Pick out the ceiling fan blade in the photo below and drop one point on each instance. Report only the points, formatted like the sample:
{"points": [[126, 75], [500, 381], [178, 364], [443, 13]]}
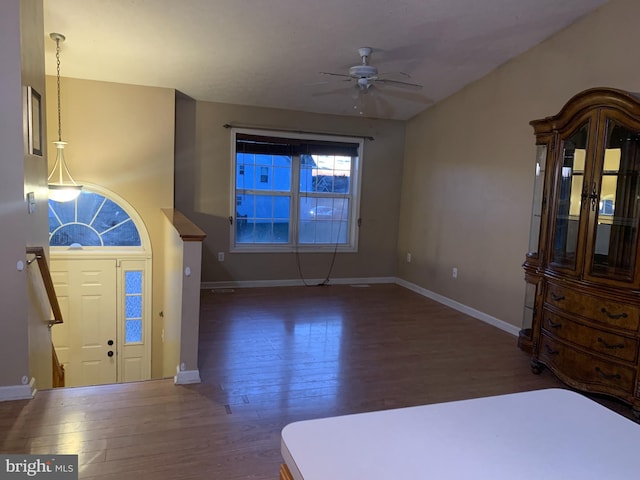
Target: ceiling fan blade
{"points": [[398, 83], [333, 92], [371, 104], [406, 95], [336, 75], [313, 84], [384, 75]]}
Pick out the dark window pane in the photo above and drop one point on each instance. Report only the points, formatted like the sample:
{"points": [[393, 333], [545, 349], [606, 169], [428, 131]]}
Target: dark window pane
{"points": [[323, 220], [88, 205], [264, 206], [123, 235], [281, 208], [66, 211], [282, 179], [109, 216], [75, 233], [91, 220], [53, 220], [262, 231]]}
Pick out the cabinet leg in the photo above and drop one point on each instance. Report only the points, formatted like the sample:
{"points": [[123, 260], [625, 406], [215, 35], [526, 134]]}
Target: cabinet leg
{"points": [[536, 367], [636, 412]]}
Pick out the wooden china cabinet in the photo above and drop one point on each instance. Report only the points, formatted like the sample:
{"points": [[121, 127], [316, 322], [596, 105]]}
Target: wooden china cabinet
{"points": [[582, 305]]}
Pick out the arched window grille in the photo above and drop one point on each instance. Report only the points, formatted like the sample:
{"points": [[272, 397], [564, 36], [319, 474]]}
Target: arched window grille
{"points": [[91, 220]]}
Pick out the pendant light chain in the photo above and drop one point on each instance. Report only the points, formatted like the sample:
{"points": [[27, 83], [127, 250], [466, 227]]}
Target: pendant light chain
{"points": [[62, 186], [59, 109]]}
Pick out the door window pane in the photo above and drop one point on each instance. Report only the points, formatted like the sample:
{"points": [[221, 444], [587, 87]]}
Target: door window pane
{"points": [[538, 188], [571, 187], [133, 306], [614, 251], [133, 331]]}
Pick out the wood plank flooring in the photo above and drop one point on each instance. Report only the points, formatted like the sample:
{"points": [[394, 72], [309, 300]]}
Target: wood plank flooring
{"points": [[268, 357]]}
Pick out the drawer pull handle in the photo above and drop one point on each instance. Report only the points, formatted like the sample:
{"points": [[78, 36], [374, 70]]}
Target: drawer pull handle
{"points": [[610, 346], [608, 376], [556, 298], [613, 316], [553, 324], [551, 351]]}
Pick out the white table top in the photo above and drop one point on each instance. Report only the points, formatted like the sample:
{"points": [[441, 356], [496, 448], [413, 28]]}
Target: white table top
{"points": [[543, 434]]}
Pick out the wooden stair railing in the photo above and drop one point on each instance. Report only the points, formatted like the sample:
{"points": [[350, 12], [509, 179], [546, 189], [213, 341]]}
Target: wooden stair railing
{"points": [[43, 266]]}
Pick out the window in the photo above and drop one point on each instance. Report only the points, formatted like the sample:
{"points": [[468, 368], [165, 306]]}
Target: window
{"points": [[91, 220], [295, 191], [133, 303]]}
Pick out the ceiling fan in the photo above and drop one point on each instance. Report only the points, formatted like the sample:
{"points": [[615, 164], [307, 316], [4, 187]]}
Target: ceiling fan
{"points": [[366, 76]]}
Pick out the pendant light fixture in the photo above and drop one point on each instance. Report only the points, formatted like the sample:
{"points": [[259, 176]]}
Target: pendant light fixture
{"points": [[62, 186]]}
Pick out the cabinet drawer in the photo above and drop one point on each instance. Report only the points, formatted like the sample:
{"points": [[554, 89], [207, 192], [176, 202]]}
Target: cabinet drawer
{"points": [[606, 312], [592, 338], [577, 366]]}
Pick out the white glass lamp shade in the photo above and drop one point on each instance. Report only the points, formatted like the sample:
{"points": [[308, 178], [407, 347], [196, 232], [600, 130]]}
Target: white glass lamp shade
{"points": [[62, 186]]}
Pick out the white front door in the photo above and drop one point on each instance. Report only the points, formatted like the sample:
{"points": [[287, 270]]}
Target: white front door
{"points": [[86, 343]]}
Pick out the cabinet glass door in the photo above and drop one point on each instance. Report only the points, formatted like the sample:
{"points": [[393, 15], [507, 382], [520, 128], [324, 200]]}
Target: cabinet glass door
{"points": [[538, 191], [613, 252], [571, 180]]}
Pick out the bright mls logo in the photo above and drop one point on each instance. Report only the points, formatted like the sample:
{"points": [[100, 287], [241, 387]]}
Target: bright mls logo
{"points": [[52, 467]]}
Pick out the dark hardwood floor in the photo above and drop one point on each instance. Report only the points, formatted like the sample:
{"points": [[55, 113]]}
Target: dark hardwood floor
{"points": [[268, 357]]}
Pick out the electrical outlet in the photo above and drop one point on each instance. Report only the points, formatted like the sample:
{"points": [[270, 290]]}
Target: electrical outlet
{"points": [[409, 257], [221, 256], [454, 272]]}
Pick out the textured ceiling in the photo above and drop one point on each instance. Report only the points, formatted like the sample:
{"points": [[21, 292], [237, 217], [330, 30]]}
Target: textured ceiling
{"points": [[269, 52]]}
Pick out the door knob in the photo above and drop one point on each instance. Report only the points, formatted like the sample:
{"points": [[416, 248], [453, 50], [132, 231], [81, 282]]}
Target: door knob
{"points": [[110, 342], [110, 353]]}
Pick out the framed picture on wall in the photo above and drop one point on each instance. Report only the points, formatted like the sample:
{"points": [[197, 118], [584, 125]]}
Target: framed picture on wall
{"points": [[34, 113]]}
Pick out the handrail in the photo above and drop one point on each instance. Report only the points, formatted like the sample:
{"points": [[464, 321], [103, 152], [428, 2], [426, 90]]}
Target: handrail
{"points": [[48, 283]]}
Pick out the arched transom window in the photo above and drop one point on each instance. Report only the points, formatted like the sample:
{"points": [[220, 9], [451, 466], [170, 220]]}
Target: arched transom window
{"points": [[91, 220]]}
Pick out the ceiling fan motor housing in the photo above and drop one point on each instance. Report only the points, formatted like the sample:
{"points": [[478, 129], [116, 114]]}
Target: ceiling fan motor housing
{"points": [[363, 71]]}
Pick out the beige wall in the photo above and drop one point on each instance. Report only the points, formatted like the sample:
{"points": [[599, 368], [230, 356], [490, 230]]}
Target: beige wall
{"points": [[468, 175], [13, 293], [202, 193], [25, 348], [183, 259], [190, 312], [172, 284], [35, 180], [121, 138]]}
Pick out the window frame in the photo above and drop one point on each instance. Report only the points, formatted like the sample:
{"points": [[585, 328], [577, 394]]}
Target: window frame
{"points": [[295, 194]]}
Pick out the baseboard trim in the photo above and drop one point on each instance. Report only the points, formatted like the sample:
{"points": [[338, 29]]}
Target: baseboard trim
{"points": [[18, 392], [185, 377], [294, 282], [472, 312]]}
